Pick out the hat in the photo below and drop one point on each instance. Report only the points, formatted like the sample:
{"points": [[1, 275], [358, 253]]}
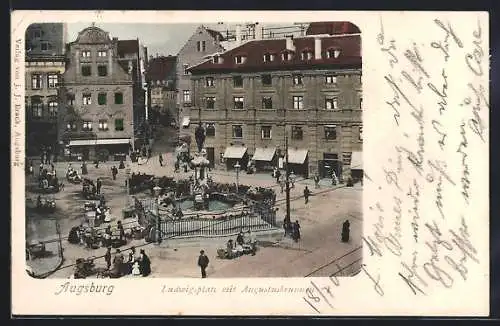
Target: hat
{"points": [[202, 252]]}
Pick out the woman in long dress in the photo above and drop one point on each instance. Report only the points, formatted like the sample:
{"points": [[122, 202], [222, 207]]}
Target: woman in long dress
{"points": [[145, 264]]}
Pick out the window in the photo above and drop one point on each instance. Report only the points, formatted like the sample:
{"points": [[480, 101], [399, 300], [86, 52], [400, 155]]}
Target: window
{"points": [[267, 103], [118, 98], [102, 99], [87, 125], [103, 125], [331, 103], [71, 126], [36, 108], [237, 131], [330, 132], [217, 59], [209, 82], [102, 53], [265, 132], [210, 100], [297, 80], [186, 95], [87, 99], [45, 46], [298, 102], [238, 103], [53, 109], [210, 129], [201, 46], [70, 99], [86, 54], [332, 53], [86, 70], [297, 133], [237, 81], [102, 70], [286, 56], [119, 124], [267, 80], [52, 80], [331, 79], [36, 81], [268, 57], [360, 134], [186, 66], [240, 59], [306, 55]]}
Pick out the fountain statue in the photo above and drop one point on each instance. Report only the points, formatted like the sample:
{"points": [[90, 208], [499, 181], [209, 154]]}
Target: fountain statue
{"points": [[200, 164]]}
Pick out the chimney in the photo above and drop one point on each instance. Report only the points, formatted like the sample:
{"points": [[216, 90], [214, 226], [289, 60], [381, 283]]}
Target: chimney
{"points": [[238, 34], [289, 43], [317, 48]]}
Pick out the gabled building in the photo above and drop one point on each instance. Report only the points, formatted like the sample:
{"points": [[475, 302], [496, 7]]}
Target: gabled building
{"points": [[161, 78], [202, 43], [45, 64], [96, 102], [308, 88]]}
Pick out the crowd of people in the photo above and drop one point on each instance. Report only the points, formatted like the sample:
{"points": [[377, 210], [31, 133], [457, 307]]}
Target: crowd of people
{"points": [[244, 244]]}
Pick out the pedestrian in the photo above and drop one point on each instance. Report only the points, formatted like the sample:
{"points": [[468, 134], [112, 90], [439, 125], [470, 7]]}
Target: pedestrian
{"points": [[121, 230], [345, 231], [278, 175], [118, 263], [334, 178], [160, 158], [40, 169], [203, 263], [114, 172], [98, 185], [296, 231], [282, 184], [144, 264], [307, 193], [107, 257], [292, 178], [316, 181]]}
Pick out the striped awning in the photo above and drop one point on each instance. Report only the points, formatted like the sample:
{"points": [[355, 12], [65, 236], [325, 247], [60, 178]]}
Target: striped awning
{"points": [[235, 152], [264, 154], [297, 156], [357, 161], [91, 142]]}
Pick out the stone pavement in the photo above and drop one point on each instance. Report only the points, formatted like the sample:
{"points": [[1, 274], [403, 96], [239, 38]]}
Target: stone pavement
{"points": [[321, 222]]}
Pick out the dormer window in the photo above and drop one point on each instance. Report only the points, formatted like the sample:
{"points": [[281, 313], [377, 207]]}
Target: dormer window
{"points": [[85, 54], [268, 57], [286, 56], [209, 82], [240, 59], [217, 59], [333, 53], [306, 55]]}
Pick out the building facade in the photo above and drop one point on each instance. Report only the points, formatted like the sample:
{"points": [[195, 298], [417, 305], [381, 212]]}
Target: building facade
{"points": [[161, 79], [307, 89], [202, 43], [96, 101], [44, 67]]}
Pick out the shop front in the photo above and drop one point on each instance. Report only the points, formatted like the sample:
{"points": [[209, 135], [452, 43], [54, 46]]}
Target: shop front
{"points": [[112, 149], [357, 166], [235, 154], [265, 158]]}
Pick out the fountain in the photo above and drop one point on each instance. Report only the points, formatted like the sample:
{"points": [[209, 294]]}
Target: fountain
{"points": [[200, 165]]}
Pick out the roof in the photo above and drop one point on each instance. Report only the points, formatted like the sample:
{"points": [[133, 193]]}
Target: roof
{"points": [[350, 46], [332, 28], [127, 47], [214, 34], [161, 68]]}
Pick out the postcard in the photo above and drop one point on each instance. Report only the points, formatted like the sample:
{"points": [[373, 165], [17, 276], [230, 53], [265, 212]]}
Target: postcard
{"points": [[250, 163]]}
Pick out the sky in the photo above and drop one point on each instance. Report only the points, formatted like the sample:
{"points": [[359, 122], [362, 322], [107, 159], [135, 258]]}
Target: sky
{"points": [[163, 39]]}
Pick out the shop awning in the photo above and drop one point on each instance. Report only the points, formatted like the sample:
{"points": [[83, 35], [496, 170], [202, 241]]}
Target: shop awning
{"points": [[186, 121], [264, 154], [91, 142], [357, 161], [235, 152], [297, 156]]}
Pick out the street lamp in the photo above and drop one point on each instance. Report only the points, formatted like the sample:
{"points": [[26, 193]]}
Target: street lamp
{"points": [[157, 191], [237, 166]]}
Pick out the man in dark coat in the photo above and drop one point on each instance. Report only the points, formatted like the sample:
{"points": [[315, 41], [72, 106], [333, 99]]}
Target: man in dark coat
{"points": [[107, 257], [296, 231], [345, 231], [114, 172], [203, 263], [144, 264], [98, 185], [307, 193]]}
